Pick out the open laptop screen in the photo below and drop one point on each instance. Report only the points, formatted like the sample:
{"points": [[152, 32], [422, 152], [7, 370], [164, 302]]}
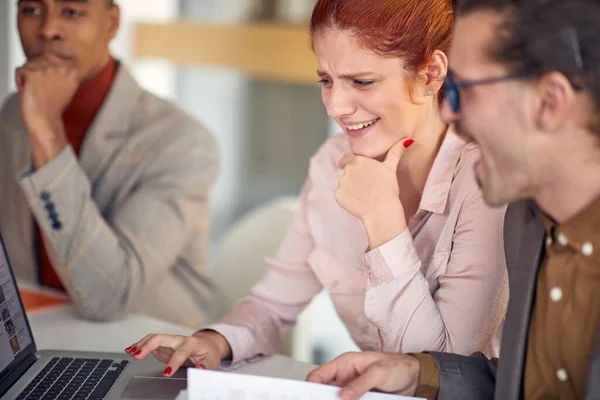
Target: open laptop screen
{"points": [[16, 339]]}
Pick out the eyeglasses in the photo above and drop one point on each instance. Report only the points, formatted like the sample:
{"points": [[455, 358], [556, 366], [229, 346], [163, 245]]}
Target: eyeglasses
{"points": [[451, 88]]}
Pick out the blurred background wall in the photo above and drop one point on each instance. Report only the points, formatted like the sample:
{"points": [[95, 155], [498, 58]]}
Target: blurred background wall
{"points": [[267, 130]]}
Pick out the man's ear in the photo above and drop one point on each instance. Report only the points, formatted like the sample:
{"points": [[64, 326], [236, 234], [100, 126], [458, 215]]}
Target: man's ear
{"points": [[430, 78], [557, 99], [114, 14]]}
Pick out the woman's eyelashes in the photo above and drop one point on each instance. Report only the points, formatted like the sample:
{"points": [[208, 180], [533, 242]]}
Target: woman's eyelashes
{"points": [[361, 83]]}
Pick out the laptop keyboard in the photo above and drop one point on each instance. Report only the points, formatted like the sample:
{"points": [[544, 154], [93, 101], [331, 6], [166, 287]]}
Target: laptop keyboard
{"points": [[74, 378]]}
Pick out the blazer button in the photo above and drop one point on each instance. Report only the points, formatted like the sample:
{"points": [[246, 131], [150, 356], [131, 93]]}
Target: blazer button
{"points": [[50, 206], [57, 225], [45, 196], [53, 216]]}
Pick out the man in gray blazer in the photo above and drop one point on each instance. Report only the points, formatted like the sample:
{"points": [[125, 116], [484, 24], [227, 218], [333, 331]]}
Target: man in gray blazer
{"points": [[524, 84], [104, 188]]}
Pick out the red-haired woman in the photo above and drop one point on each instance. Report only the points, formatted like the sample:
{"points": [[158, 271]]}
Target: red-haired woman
{"points": [[391, 219]]}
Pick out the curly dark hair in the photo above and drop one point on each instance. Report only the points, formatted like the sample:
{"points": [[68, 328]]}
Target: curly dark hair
{"points": [[540, 36]]}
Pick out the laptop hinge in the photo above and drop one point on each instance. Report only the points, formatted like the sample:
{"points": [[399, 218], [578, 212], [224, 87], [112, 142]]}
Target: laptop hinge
{"points": [[6, 382]]}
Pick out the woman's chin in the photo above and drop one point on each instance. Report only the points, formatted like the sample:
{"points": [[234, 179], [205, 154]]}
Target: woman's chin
{"points": [[366, 150]]}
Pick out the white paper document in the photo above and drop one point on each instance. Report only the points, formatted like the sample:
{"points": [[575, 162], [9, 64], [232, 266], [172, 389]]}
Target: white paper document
{"points": [[216, 385]]}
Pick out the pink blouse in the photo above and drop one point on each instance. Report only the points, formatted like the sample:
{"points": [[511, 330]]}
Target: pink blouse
{"points": [[440, 285]]}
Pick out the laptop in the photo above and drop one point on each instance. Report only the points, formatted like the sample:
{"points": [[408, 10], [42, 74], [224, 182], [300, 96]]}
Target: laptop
{"points": [[49, 374]]}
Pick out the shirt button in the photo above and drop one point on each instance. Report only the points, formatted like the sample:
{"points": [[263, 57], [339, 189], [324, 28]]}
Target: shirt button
{"points": [[561, 374], [562, 239], [587, 249], [556, 294]]}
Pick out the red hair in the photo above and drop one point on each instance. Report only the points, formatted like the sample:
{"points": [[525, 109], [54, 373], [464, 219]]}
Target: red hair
{"points": [[408, 29]]}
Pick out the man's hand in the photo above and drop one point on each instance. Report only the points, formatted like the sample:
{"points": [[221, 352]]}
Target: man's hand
{"points": [[358, 373], [46, 86]]}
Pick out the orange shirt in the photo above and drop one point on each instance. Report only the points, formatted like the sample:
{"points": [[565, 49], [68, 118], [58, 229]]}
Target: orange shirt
{"points": [[77, 118]]}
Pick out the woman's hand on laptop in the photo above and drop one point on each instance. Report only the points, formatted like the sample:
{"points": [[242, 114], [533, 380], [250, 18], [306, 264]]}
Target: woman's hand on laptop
{"points": [[204, 349], [357, 373]]}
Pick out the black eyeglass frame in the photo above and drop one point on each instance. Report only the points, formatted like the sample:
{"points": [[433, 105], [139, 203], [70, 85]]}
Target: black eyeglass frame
{"points": [[451, 88]]}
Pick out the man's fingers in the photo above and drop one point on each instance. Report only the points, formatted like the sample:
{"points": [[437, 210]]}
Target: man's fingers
{"points": [[395, 153], [20, 77], [343, 368], [323, 374], [372, 378]]}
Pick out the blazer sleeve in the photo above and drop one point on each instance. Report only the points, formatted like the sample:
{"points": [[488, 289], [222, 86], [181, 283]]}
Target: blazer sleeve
{"points": [[105, 260], [465, 377]]}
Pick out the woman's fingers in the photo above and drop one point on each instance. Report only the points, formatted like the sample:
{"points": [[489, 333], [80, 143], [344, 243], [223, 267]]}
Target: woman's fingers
{"points": [[152, 342], [178, 359]]}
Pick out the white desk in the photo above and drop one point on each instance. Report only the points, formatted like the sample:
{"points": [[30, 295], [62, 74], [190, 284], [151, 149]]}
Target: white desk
{"points": [[59, 328]]}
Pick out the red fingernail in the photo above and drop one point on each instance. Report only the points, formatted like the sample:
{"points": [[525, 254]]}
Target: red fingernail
{"points": [[201, 366], [133, 349], [127, 349], [168, 371], [137, 353], [408, 143]]}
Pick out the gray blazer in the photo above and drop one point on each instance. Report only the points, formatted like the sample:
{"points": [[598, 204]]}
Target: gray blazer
{"points": [[476, 377], [126, 223]]}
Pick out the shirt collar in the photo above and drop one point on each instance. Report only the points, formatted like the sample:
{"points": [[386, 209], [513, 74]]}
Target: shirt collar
{"points": [[439, 180], [91, 94], [580, 233]]}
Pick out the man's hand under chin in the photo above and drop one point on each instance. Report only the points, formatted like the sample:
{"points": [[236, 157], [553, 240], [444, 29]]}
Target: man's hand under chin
{"points": [[358, 373], [46, 86]]}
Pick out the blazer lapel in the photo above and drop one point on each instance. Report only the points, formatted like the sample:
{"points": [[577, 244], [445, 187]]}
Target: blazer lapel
{"points": [[111, 126], [528, 238], [593, 382]]}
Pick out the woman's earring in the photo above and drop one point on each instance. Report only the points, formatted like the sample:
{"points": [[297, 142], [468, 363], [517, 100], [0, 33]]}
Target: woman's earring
{"points": [[429, 92]]}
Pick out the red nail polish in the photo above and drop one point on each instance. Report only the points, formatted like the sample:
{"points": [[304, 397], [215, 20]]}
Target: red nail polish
{"points": [[168, 371], [408, 143], [133, 349], [137, 353], [201, 366]]}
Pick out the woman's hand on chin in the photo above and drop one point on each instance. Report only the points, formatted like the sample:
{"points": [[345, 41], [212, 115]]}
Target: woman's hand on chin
{"points": [[368, 189]]}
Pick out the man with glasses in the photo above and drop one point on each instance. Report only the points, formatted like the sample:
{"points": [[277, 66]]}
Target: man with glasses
{"points": [[524, 85]]}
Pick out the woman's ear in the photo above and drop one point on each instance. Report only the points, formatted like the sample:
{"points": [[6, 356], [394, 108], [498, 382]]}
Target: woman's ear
{"points": [[430, 79]]}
